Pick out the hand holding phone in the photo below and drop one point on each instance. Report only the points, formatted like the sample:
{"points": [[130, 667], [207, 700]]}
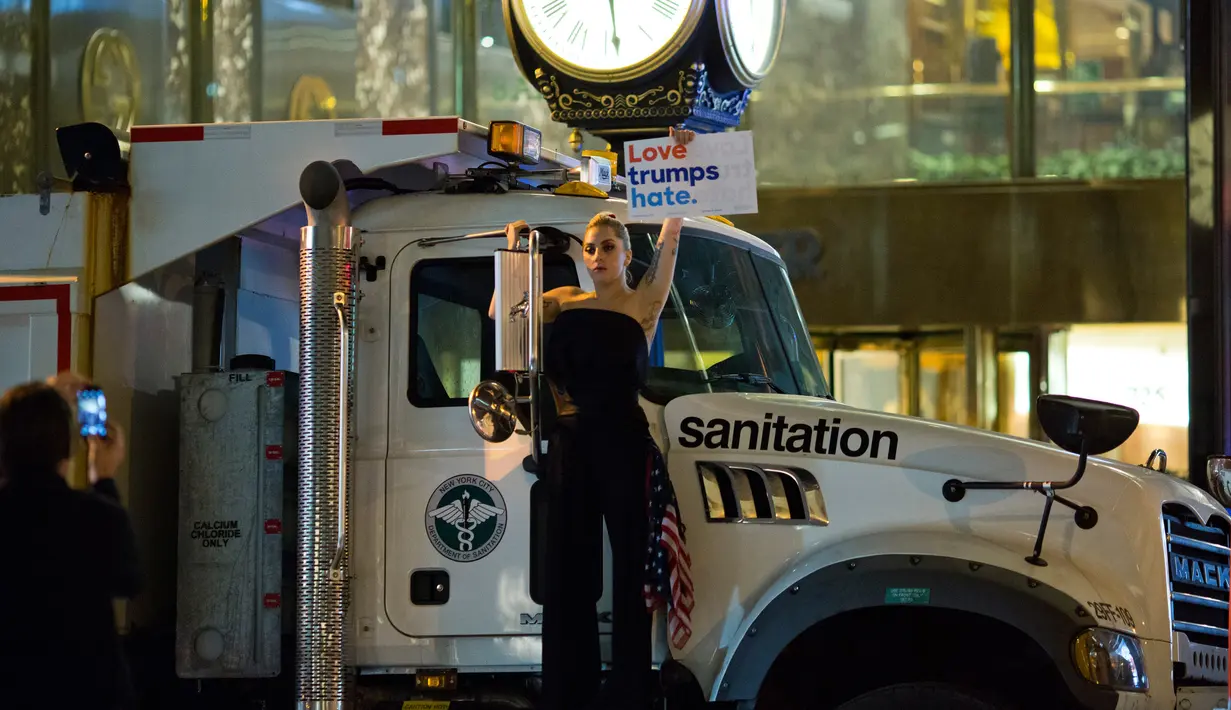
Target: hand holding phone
{"points": [[107, 453], [92, 412], [68, 384]]}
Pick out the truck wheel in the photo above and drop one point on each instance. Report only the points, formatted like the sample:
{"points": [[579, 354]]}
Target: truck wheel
{"points": [[918, 696]]}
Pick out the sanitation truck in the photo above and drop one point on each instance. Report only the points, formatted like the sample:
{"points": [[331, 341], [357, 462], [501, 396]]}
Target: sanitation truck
{"points": [[358, 505]]}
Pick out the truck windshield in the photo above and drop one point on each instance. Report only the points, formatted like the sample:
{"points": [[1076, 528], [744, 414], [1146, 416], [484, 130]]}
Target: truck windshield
{"points": [[732, 323]]}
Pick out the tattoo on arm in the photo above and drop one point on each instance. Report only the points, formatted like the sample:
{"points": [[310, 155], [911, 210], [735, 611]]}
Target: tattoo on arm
{"points": [[652, 272], [651, 316], [551, 309]]}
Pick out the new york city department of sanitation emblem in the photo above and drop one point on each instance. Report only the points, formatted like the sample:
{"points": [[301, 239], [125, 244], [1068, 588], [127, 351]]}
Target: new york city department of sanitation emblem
{"points": [[466, 518]]}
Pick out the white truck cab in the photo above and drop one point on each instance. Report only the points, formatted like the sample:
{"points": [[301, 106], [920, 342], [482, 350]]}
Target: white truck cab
{"points": [[840, 557]]}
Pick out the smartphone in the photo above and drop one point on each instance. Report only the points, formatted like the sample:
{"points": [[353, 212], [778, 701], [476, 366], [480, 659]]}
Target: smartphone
{"points": [[92, 412]]}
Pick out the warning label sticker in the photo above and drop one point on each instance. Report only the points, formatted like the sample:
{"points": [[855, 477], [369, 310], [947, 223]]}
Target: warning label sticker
{"points": [[215, 533]]}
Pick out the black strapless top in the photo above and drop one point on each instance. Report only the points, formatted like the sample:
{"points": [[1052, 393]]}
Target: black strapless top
{"points": [[598, 359]]}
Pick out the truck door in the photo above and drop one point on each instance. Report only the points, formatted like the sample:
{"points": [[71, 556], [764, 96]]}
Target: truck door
{"points": [[35, 332], [457, 508]]}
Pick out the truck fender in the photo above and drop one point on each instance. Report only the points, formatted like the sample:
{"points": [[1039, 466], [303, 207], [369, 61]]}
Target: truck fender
{"points": [[1049, 616]]}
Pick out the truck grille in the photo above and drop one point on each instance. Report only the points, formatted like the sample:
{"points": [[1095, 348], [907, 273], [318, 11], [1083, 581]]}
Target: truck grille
{"points": [[1199, 580], [745, 493]]}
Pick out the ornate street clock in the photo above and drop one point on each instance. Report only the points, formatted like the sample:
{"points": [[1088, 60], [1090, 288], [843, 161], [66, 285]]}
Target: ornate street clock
{"points": [[750, 31], [110, 81], [607, 42], [629, 69]]}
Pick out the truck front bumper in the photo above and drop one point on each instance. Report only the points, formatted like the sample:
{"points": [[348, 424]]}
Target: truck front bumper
{"points": [[1162, 695], [1158, 664], [1205, 698]]}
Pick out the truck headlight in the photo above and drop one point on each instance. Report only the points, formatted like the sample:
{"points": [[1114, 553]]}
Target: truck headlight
{"points": [[1108, 658]]}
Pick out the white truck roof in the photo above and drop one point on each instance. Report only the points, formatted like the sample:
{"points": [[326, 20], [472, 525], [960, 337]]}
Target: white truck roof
{"points": [[463, 214], [193, 185]]}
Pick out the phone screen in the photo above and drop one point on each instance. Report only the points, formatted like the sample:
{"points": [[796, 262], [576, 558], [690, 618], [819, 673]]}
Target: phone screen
{"points": [[92, 412]]}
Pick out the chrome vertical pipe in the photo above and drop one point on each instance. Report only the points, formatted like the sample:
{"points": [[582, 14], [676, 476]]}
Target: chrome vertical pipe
{"points": [[534, 310], [327, 290]]}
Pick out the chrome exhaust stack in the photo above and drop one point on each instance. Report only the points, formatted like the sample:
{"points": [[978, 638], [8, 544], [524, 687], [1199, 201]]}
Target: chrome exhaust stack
{"points": [[327, 294]]}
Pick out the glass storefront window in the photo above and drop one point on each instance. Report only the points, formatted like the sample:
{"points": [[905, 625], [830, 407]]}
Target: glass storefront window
{"points": [[868, 91], [942, 385], [1144, 366], [1110, 89], [444, 90], [869, 378], [863, 91], [1013, 398], [504, 93]]}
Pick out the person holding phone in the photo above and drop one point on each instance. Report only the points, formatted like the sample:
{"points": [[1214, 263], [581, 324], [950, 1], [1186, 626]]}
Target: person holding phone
{"points": [[66, 554]]}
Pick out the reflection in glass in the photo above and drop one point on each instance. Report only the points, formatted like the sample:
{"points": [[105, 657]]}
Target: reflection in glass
{"points": [[1110, 89], [451, 335], [504, 93], [868, 378], [16, 121], [1013, 409], [880, 90], [942, 385]]}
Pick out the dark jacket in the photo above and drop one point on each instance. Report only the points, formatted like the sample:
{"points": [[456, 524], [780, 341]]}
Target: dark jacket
{"points": [[64, 556]]}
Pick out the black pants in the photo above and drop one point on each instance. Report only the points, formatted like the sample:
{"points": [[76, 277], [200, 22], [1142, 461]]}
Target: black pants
{"points": [[592, 478]]}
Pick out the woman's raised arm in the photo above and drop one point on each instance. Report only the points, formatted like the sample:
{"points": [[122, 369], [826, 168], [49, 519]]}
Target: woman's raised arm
{"points": [[656, 284]]}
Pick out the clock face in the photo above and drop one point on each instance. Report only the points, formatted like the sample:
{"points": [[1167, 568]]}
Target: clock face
{"points": [[751, 32], [607, 40]]}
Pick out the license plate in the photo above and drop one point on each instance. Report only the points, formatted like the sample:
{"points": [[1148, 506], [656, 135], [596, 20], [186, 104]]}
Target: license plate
{"points": [[425, 705]]}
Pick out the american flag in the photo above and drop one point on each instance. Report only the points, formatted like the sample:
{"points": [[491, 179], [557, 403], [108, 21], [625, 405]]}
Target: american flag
{"points": [[668, 579]]}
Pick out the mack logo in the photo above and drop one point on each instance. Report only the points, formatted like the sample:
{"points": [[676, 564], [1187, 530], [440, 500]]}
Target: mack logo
{"points": [[1206, 574], [775, 434], [604, 617]]}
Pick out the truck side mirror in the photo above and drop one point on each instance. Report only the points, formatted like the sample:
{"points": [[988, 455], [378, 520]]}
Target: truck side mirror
{"points": [[1081, 426], [1218, 478], [1072, 421], [493, 411]]}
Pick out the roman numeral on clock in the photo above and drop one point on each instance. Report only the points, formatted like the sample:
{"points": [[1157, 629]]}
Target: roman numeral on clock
{"points": [[667, 8], [572, 36], [553, 7]]}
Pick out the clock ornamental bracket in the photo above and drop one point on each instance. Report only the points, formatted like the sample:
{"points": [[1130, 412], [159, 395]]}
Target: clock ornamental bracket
{"points": [[679, 95], [668, 68]]}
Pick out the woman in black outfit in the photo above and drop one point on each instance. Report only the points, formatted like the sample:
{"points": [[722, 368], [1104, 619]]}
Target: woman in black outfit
{"points": [[597, 462]]}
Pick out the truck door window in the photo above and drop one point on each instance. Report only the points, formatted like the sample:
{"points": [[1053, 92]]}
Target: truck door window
{"points": [[731, 311], [452, 341], [789, 319]]}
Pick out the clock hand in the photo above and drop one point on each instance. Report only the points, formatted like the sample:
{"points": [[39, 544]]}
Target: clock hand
{"points": [[615, 37]]}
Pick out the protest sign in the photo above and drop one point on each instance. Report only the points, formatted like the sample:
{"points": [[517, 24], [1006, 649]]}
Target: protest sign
{"points": [[715, 174]]}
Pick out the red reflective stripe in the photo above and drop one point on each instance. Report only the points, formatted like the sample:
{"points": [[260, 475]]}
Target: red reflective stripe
{"points": [[396, 127], [167, 134], [419, 126], [59, 293], [64, 329]]}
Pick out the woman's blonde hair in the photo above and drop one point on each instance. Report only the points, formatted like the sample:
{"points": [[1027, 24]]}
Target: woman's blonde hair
{"points": [[608, 219]]}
